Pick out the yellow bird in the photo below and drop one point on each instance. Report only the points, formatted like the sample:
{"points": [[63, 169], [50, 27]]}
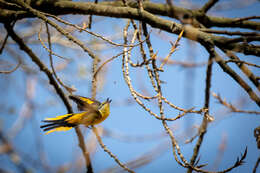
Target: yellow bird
{"points": [[93, 112]]}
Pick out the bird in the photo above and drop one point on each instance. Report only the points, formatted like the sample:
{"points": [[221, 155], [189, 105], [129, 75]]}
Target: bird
{"points": [[92, 112]]}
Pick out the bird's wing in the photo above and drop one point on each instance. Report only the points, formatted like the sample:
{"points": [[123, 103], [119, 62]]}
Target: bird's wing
{"points": [[87, 117], [85, 103]]}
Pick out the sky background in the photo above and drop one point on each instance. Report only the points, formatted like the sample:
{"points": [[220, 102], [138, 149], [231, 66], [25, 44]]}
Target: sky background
{"points": [[183, 87]]}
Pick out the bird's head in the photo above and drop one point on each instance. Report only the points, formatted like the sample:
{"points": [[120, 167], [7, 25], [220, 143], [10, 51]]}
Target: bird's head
{"points": [[104, 108]]}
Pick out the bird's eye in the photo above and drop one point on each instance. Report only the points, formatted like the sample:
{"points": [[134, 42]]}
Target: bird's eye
{"points": [[102, 104]]}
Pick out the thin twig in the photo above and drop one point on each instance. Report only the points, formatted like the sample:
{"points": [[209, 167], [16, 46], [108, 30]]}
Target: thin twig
{"points": [[39, 63], [111, 59], [109, 152], [90, 32], [230, 106], [44, 46], [256, 165], [185, 64], [173, 49], [57, 27], [14, 69], [69, 89]]}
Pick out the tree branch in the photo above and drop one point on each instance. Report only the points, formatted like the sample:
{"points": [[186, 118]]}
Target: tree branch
{"points": [[68, 7], [208, 5], [52, 81]]}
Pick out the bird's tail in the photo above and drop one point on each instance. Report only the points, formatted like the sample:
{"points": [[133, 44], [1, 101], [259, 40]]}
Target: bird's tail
{"points": [[57, 124]]}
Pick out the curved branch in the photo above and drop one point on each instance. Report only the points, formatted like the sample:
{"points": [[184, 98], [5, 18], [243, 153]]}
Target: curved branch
{"points": [[14, 69], [208, 5]]}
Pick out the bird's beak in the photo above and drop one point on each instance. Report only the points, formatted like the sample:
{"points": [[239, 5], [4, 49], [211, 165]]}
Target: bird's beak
{"points": [[108, 100]]}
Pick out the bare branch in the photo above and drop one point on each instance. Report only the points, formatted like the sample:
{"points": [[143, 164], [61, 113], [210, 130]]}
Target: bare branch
{"points": [[237, 78], [3, 44], [230, 106], [174, 47], [45, 47], [53, 82], [208, 5], [256, 165], [69, 89], [15, 68], [38, 62], [242, 62]]}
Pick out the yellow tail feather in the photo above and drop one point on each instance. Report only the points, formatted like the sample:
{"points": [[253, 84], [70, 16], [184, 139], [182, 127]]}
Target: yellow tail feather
{"points": [[58, 129], [58, 117]]}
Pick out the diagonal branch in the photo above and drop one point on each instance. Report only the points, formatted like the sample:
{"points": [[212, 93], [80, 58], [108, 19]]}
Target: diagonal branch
{"points": [[39, 63], [204, 124], [52, 81], [237, 78]]}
